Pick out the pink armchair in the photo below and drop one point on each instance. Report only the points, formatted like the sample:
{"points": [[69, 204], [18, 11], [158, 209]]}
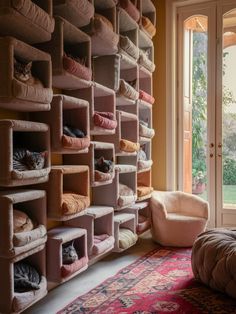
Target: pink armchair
{"points": [[177, 218]]}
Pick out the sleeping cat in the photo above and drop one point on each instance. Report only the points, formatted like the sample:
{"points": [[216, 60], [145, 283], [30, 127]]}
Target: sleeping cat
{"points": [[103, 165], [26, 277], [22, 72], [69, 254], [24, 160]]}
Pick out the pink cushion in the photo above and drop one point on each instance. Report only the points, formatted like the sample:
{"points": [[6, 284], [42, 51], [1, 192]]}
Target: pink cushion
{"points": [[101, 176], [131, 9], [76, 68], [75, 142], [146, 97], [67, 270], [105, 120]]}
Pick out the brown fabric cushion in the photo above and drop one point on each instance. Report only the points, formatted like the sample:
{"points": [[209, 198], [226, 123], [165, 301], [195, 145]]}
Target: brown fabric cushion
{"points": [[31, 93], [75, 142], [67, 270], [77, 69], [214, 260], [34, 13], [144, 190], [131, 9], [74, 203], [101, 176], [105, 120], [104, 20], [23, 238], [148, 26], [21, 222], [128, 146]]}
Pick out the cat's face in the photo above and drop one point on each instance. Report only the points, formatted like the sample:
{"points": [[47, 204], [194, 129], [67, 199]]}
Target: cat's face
{"points": [[22, 71], [34, 160], [104, 165], [69, 254]]}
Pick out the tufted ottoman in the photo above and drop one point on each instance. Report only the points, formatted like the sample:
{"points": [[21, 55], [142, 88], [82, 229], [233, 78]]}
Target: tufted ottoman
{"points": [[214, 260]]}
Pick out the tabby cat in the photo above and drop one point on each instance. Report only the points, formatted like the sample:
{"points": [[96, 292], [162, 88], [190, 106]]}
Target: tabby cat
{"points": [[103, 165], [73, 132], [24, 160], [69, 254], [22, 72], [26, 277]]}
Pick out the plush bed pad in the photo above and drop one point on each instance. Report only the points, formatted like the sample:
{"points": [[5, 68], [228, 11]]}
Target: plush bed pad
{"points": [[143, 223], [145, 131], [144, 190], [105, 120], [67, 270], [75, 142], [144, 164], [31, 93], [102, 177], [23, 238], [146, 97], [129, 47], [128, 146], [148, 26], [103, 245], [127, 90], [74, 203], [77, 69], [131, 9], [126, 238], [34, 13]]}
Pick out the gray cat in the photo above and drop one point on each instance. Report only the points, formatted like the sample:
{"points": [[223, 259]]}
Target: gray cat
{"points": [[69, 254], [24, 160], [26, 277], [103, 165]]}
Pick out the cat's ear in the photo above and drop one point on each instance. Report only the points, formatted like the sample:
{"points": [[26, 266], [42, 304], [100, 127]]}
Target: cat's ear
{"points": [[28, 153], [101, 160], [15, 61], [28, 66]]}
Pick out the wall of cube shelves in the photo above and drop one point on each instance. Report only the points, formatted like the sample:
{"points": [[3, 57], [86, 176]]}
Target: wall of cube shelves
{"points": [[87, 101]]}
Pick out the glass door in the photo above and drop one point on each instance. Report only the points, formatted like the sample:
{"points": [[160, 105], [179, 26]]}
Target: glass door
{"points": [[196, 91], [226, 116]]}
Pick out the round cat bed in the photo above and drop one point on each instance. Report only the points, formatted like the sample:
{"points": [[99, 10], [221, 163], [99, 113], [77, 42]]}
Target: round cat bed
{"points": [[214, 260]]}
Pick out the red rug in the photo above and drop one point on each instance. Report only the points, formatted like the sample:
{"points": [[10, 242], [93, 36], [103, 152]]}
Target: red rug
{"points": [[159, 282]]}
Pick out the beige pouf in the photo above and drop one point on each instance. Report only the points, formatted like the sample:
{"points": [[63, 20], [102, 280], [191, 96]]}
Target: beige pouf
{"points": [[214, 260]]}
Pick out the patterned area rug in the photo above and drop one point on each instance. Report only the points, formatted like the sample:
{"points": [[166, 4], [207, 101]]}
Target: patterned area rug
{"points": [[159, 282]]}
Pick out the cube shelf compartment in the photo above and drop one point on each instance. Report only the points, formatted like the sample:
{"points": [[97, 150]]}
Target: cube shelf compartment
{"points": [[96, 150], [110, 194], [72, 179], [101, 99], [98, 221], [123, 222], [145, 80], [144, 185], [127, 128], [68, 39], [66, 110], [148, 10], [78, 15], [107, 8], [144, 165], [31, 202], [18, 132], [142, 216], [30, 21], [17, 302], [56, 270], [16, 94]]}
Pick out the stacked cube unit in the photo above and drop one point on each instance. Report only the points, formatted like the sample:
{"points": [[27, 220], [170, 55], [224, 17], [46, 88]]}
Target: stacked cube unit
{"points": [[93, 65]]}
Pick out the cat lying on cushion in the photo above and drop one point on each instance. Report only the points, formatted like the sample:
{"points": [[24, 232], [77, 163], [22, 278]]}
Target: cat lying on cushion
{"points": [[103, 165], [73, 132], [22, 72], [24, 160], [26, 277], [69, 254], [21, 222]]}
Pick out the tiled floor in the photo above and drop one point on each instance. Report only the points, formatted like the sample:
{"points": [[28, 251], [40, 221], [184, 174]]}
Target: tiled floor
{"points": [[94, 275]]}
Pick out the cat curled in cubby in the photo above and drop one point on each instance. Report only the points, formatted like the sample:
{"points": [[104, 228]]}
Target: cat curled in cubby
{"points": [[103, 165], [69, 253], [24, 159], [73, 132], [26, 277], [23, 73]]}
